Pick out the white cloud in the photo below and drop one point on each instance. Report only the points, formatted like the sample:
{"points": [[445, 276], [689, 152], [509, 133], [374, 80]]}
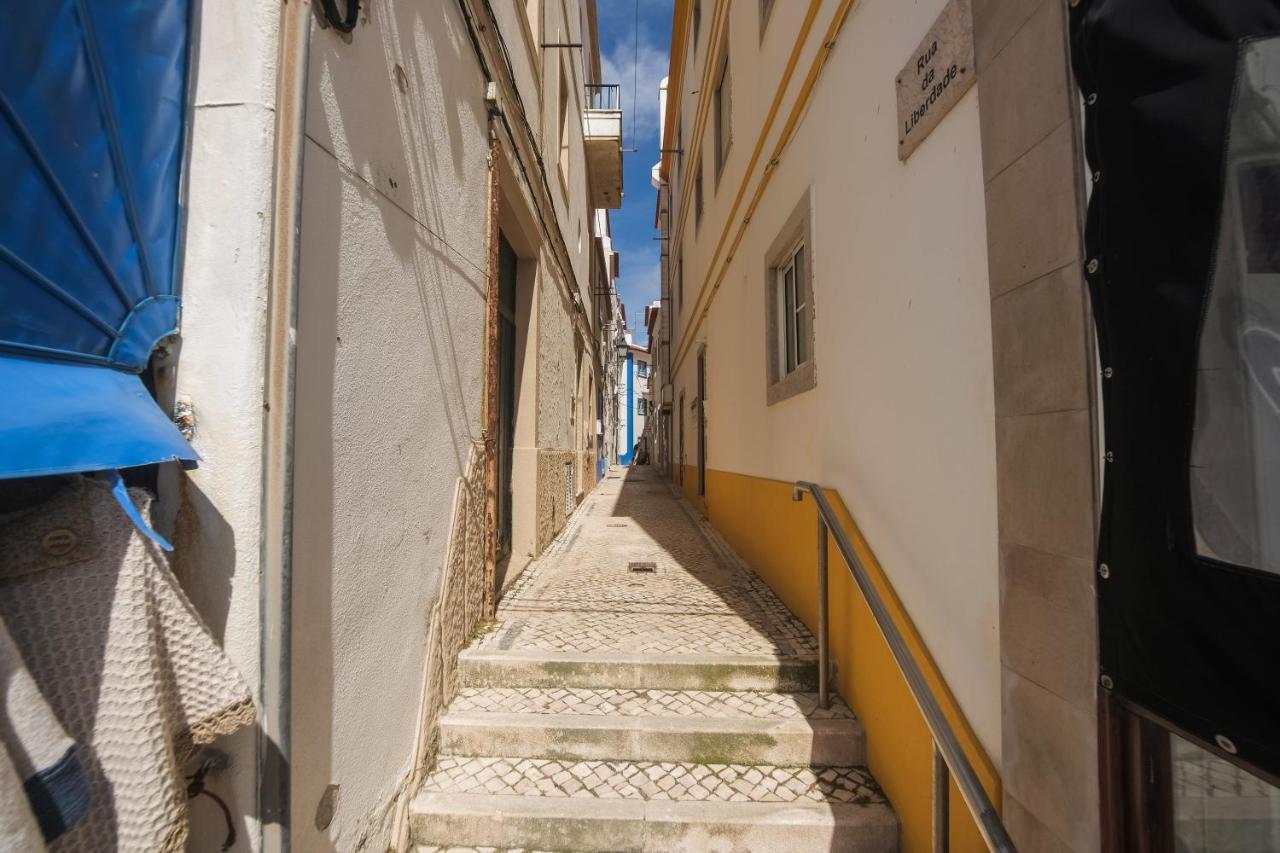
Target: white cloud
{"points": [[639, 73]]}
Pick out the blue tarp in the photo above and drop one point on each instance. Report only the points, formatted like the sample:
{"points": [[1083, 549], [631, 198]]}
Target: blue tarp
{"points": [[93, 105]]}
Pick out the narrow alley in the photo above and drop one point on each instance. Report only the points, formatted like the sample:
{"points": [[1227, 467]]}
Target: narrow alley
{"points": [[623, 426], [641, 689]]}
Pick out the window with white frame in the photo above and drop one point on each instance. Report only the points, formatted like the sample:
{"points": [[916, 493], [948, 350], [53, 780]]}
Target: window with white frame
{"points": [[789, 288], [793, 311]]}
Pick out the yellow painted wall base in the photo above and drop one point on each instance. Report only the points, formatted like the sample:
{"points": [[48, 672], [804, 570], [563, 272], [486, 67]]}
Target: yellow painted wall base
{"points": [[777, 538]]}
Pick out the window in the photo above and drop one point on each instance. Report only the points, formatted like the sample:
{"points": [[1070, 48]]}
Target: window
{"points": [[642, 407], [678, 163], [642, 369], [789, 304], [680, 283], [697, 194], [793, 312], [697, 24], [766, 7], [564, 127], [723, 117]]}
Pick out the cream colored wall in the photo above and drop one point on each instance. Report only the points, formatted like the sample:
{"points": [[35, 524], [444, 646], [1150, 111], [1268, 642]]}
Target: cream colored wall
{"points": [[901, 422]]}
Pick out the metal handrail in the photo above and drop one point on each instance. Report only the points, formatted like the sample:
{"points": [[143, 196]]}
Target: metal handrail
{"points": [[948, 758]]}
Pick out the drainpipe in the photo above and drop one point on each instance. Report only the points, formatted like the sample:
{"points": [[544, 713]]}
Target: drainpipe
{"points": [[275, 542]]}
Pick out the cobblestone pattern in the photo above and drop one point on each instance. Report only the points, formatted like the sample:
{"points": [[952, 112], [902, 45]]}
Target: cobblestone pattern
{"points": [[431, 849], [653, 780], [753, 705], [580, 597]]}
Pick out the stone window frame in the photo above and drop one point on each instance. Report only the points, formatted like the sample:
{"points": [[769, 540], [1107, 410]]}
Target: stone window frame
{"points": [[796, 231]]}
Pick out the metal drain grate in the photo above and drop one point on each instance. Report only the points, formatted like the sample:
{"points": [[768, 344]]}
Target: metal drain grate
{"points": [[615, 525], [642, 568]]}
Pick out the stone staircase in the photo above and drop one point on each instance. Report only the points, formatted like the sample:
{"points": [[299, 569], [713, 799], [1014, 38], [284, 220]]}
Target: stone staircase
{"points": [[672, 709]]}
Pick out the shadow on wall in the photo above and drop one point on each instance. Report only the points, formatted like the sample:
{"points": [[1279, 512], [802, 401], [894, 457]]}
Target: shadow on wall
{"points": [[201, 530], [388, 365], [403, 70]]}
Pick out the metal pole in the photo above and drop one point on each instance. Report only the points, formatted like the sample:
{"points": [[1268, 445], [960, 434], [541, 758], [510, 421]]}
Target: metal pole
{"points": [[941, 801], [824, 668], [275, 542], [957, 763]]}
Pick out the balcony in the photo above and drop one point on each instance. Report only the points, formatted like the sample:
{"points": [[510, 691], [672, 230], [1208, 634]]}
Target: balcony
{"points": [[602, 130]]}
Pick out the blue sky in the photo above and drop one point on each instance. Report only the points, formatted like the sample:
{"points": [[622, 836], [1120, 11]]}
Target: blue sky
{"points": [[633, 230]]}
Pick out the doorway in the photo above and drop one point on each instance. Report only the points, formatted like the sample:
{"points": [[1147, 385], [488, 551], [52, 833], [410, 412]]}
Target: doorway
{"points": [[506, 388], [702, 422], [680, 471]]}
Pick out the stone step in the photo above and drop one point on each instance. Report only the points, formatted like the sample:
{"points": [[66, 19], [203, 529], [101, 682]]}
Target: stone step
{"points": [[643, 806], [538, 668], [654, 725]]}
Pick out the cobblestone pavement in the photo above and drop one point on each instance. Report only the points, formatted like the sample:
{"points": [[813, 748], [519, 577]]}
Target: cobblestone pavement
{"points": [[744, 705], [653, 780], [698, 599], [431, 849]]}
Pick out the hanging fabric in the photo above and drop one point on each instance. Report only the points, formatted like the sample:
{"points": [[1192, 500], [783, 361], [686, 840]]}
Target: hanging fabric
{"points": [[121, 657]]}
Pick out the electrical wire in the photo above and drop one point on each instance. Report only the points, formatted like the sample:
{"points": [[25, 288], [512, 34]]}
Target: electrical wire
{"points": [[553, 235]]}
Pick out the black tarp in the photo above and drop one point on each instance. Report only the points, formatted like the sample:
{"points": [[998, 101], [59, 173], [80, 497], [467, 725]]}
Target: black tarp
{"points": [[1188, 629]]}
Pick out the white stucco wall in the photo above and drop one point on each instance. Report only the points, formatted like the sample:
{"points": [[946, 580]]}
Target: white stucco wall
{"points": [[390, 341], [220, 368], [902, 419], [393, 256]]}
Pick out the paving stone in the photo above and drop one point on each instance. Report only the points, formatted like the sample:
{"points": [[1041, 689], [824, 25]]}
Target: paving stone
{"points": [[579, 597], [648, 703], [702, 602], [661, 780]]}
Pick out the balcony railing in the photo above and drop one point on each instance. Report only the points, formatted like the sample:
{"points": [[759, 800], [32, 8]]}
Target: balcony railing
{"points": [[604, 96]]}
